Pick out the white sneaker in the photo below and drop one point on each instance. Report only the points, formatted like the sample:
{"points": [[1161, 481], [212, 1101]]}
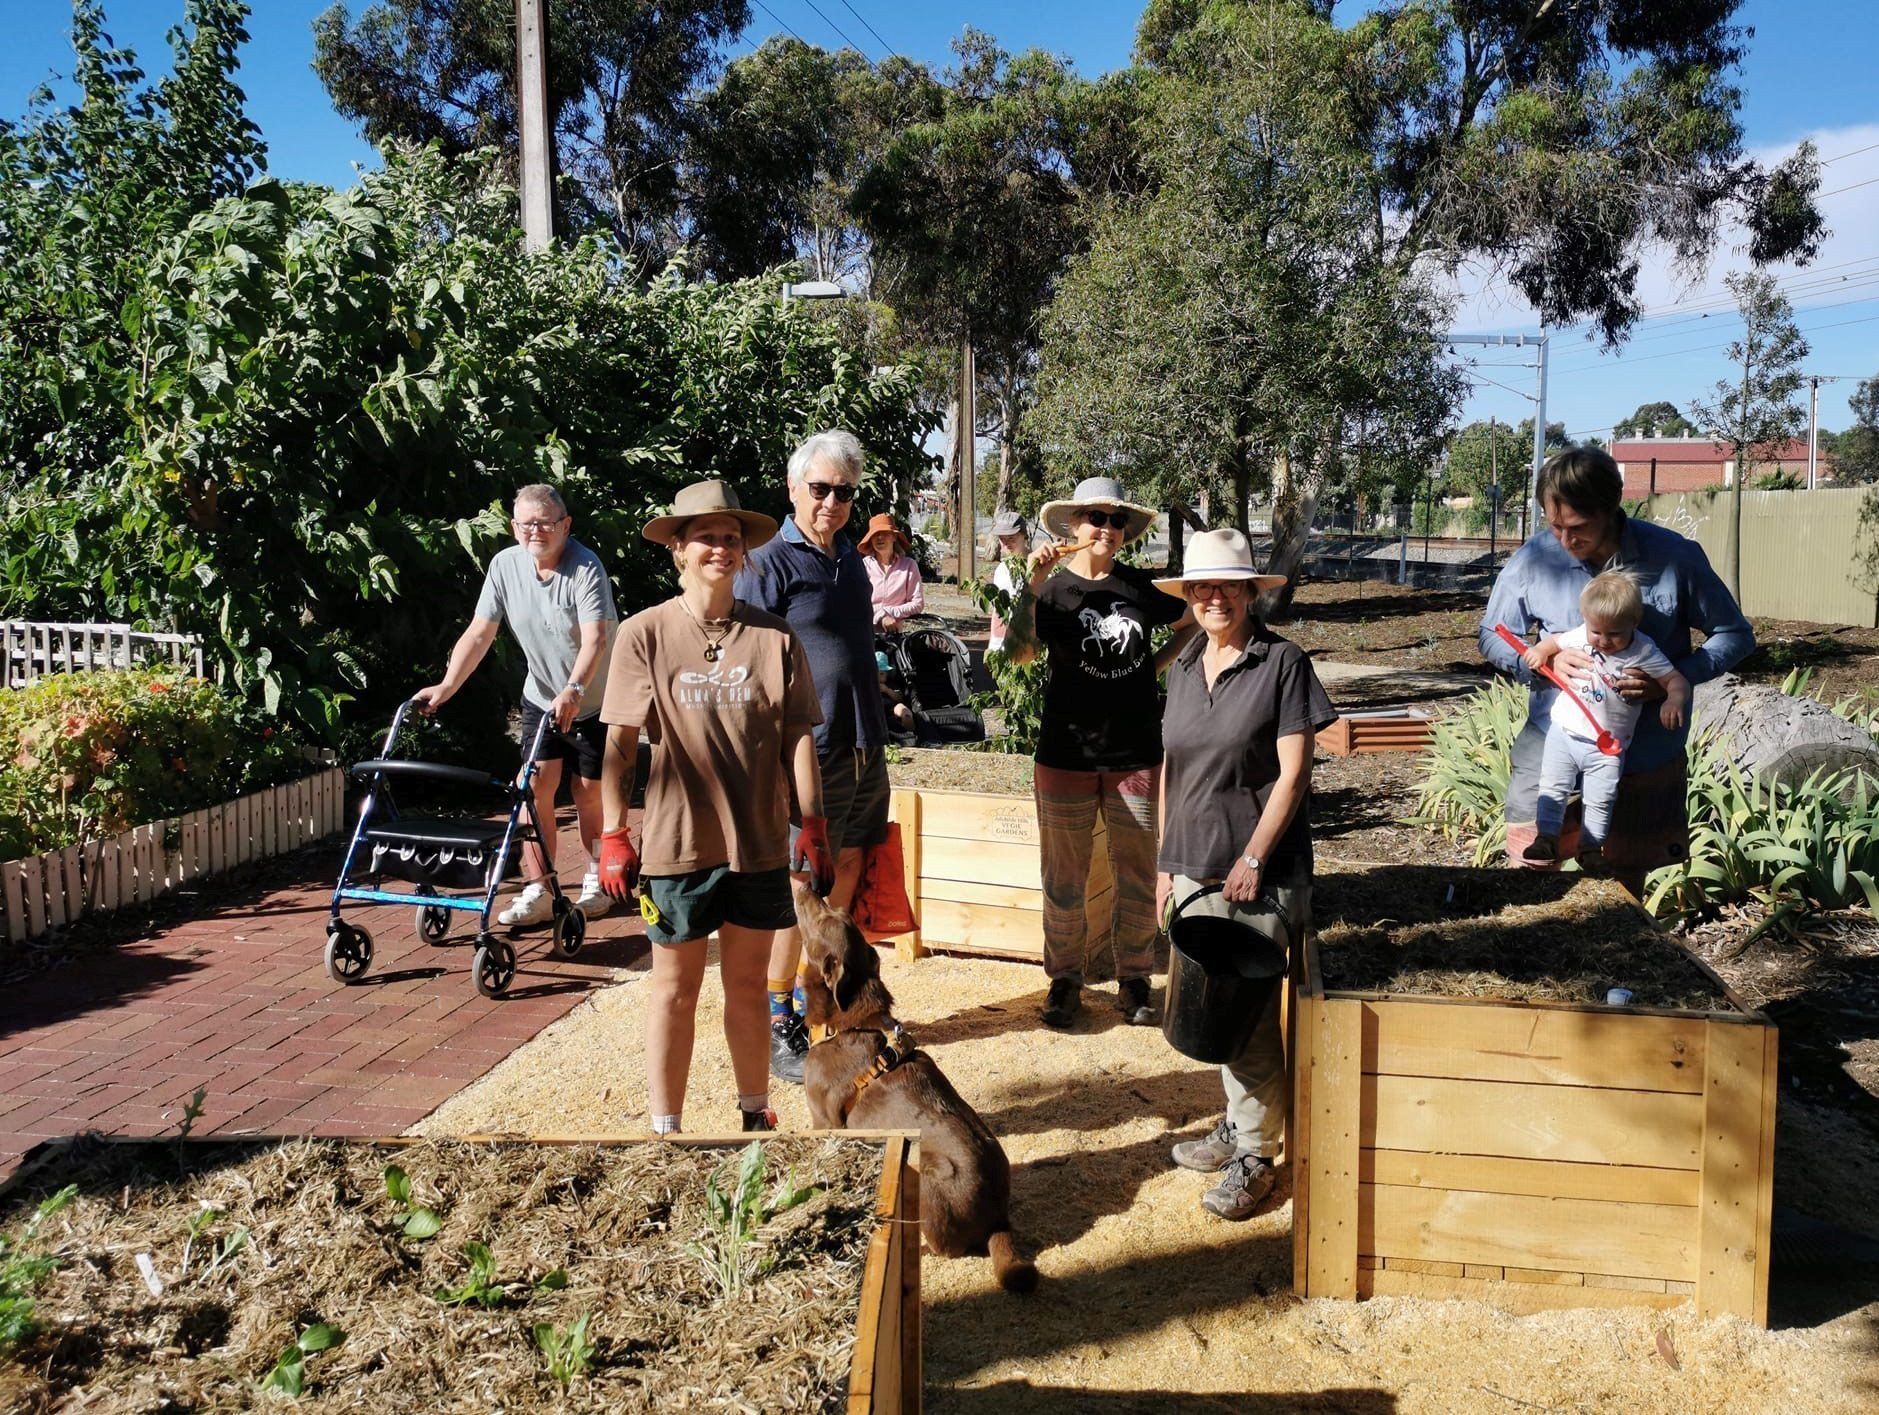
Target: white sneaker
{"points": [[532, 906], [592, 902]]}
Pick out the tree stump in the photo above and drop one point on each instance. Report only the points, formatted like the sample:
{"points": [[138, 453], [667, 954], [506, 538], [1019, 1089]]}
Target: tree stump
{"points": [[1767, 733]]}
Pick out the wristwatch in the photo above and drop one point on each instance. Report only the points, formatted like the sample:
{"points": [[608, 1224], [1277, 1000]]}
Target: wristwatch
{"points": [[577, 687], [1252, 862]]}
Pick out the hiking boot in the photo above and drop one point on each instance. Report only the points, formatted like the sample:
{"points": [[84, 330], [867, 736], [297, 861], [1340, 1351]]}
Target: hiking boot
{"points": [[1543, 851], [764, 1119], [593, 902], [789, 1044], [1592, 862], [1209, 1154], [533, 905], [1064, 1002], [1247, 1180], [1132, 1002]]}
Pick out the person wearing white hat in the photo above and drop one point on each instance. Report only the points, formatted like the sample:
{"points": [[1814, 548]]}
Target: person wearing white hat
{"points": [[725, 693], [1244, 708], [1099, 740]]}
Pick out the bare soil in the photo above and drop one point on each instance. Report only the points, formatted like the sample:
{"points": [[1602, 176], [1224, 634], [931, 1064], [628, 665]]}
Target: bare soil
{"points": [[323, 1246]]}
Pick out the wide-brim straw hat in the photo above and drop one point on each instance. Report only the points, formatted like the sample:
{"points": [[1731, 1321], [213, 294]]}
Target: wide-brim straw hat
{"points": [[708, 498], [885, 522], [1218, 555], [1058, 517]]}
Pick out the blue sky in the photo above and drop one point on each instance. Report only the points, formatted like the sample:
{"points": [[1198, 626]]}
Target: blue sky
{"points": [[1808, 74]]}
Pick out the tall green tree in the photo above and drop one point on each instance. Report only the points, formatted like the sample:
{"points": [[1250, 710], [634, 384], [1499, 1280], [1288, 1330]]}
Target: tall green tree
{"points": [[619, 76], [1659, 419], [1856, 451], [1756, 410]]}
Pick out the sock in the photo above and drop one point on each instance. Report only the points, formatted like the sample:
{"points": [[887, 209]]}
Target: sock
{"points": [[779, 1000], [797, 998], [665, 1125], [751, 1104]]}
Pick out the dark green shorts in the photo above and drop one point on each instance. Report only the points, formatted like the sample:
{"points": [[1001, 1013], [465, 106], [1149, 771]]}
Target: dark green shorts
{"points": [[694, 905]]}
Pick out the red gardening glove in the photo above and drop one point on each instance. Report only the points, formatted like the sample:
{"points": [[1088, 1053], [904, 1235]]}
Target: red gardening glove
{"points": [[619, 863], [812, 855]]}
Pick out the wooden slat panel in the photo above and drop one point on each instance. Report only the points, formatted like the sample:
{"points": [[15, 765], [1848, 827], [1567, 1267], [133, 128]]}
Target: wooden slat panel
{"points": [[1518, 1297], [1424, 1265], [1557, 1279], [91, 856], [912, 1354], [1009, 863], [243, 850], [1003, 820], [191, 857], [72, 867], [1576, 1235], [109, 875], [904, 806], [1336, 1106], [13, 897], [1765, 1207], [959, 891], [1650, 1128], [1624, 1284], [878, 1272], [218, 840], [127, 869], [1545, 1045], [52, 871], [1298, 1125], [1732, 1151], [1015, 932], [1545, 1179], [150, 859]]}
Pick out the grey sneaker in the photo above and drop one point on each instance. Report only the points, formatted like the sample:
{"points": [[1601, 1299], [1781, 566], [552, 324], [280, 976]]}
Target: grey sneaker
{"points": [[1064, 1002], [789, 1044], [1247, 1180], [1209, 1154]]}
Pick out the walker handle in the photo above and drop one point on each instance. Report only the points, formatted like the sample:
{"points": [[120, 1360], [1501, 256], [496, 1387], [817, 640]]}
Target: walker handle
{"points": [[1607, 743]]}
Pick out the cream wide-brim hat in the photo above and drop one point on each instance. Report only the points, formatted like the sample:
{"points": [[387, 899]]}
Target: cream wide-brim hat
{"points": [[1214, 556], [708, 498], [1058, 517]]}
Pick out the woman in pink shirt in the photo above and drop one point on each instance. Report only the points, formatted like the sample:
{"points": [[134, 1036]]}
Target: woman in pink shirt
{"points": [[894, 573]]}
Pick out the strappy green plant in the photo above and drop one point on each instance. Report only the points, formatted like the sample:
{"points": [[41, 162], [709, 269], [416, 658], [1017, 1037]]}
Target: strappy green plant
{"points": [[727, 1251], [1466, 766]]}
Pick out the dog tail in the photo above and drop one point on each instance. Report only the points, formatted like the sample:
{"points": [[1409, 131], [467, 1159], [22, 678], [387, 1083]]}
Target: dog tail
{"points": [[1014, 1274]]}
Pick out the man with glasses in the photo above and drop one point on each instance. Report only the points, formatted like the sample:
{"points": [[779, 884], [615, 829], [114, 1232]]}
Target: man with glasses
{"points": [[553, 593], [812, 575]]}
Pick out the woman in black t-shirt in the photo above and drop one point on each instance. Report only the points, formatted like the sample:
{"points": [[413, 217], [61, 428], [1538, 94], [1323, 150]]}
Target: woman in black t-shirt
{"points": [[1099, 744]]}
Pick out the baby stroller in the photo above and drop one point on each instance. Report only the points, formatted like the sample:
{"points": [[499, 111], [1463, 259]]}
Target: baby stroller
{"points": [[436, 853], [935, 674]]}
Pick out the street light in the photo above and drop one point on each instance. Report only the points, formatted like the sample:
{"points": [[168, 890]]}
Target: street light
{"points": [[813, 290]]}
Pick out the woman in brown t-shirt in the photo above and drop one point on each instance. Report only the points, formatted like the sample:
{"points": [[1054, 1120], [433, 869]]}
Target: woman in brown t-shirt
{"points": [[725, 695]]}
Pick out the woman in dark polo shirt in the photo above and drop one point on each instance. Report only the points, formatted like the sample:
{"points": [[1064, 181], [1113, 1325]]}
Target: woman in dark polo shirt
{"points": [[1244, 708]]}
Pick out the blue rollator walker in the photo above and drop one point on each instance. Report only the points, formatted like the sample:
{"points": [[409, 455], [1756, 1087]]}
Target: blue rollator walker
{"points": [[443, 853]]}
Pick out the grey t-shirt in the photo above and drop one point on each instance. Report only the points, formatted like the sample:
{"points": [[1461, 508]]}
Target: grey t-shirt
{"points": [[546, 617]]}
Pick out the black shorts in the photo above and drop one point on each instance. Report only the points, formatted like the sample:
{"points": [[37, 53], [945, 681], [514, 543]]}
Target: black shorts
{"points": [[584, 743], [693, 906], [855, 795]]}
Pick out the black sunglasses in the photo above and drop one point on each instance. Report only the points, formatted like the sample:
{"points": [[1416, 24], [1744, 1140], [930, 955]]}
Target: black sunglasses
{"points": [[1099, 519], [841, 491]]}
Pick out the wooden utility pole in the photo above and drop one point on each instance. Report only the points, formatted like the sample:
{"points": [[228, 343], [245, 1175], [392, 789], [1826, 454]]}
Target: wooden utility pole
{"points": [[531, 107], [966, 527]]}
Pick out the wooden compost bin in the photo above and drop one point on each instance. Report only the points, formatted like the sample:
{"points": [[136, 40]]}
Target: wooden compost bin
{"points": [[1530, 1154], [885, 1376], [973, 874]]}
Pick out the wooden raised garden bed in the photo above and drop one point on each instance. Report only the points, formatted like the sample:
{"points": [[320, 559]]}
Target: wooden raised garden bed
{"points": [[973, 874], [44, 892], [154, 1306], [1527, 1151]]}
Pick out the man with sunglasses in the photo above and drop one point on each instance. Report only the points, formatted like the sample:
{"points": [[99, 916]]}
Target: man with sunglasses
{"points": [[553, 593], [813, 576]]}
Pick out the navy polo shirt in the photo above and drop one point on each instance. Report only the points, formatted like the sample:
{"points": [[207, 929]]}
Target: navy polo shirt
{"points": [[829, 602]]}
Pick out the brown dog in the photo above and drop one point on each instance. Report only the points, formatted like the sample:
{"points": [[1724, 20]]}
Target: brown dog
{"points": [[865, 1076]]}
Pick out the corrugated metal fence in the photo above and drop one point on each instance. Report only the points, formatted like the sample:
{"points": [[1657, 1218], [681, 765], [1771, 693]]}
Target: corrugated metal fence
{"points": [[1805, 554]]}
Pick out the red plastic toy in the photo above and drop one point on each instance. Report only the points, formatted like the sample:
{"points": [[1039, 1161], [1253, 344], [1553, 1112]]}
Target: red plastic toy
{"points": [[1607, 743]]}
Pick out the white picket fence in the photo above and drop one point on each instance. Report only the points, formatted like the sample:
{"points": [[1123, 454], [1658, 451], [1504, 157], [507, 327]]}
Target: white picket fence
{"points": [[44, 892], [30, 649]]}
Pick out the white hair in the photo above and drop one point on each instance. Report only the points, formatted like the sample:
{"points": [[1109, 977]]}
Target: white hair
{"points": [[834, 445], [542, 494]]}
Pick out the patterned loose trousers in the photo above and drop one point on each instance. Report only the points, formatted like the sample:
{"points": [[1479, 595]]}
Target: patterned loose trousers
{"points": [[1067, 804]]}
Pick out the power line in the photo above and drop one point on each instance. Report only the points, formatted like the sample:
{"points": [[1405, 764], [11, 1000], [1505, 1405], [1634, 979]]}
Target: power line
{"points": [[1828, 162], [889, 49], [779, 19], [1702, 348], [837, 28], [1850, 186]]}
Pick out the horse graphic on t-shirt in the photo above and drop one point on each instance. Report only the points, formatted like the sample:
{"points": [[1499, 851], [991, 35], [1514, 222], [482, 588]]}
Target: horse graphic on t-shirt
{"points": [[1113, 632]]}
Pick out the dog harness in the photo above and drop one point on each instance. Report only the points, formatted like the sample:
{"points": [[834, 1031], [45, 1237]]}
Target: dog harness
{"points": [[896, 1047]]}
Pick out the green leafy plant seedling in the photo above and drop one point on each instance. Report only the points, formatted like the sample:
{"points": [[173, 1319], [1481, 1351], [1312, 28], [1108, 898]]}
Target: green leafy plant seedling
{"points": [[290, 1372], [415, 1222], [23, 1270], [734, 1217], [568, 1349], [482, 1287]]}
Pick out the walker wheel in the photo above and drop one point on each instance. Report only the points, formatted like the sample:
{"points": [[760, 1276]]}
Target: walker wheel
{"points": [[494, 965], [433, 919], [570, 933], [348, 952]]}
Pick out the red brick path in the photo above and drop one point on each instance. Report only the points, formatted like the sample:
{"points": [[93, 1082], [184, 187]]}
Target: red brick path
{"points": [[228, 991]]}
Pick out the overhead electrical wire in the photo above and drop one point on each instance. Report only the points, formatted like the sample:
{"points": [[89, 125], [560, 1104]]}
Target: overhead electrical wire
{"points": [[837, 28], [889, 49], [1702, 348]]}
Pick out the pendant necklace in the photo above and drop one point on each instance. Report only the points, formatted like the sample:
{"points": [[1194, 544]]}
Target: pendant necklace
{"points": [[705, 626]]}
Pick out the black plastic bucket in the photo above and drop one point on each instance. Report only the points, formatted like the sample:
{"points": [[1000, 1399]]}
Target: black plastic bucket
{"points": [[1221, 975]]}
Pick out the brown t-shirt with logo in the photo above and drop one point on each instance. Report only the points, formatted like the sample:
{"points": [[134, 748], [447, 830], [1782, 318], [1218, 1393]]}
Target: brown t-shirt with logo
{"points": [[719, 793]]}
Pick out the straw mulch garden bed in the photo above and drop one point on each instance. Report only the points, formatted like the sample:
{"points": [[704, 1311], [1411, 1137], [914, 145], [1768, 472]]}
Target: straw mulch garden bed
{"points": [[1517, 934], [323, 1245]]}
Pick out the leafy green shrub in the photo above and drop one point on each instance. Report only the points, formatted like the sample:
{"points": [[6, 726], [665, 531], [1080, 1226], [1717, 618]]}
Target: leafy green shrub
{"points": [[23, 1269], [1466, 766], [95, 753], [1017, 688]]}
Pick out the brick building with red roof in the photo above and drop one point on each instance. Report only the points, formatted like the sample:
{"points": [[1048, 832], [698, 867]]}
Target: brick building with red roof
{"points": [[1671, 464]]}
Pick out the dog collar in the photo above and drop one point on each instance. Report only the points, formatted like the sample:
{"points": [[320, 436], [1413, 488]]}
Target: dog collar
{"points": [[896, 1047]]}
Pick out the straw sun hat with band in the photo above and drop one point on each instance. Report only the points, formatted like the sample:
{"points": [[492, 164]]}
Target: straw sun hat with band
{"points": [[1096, 494], [1213, 556], [708, 498]]}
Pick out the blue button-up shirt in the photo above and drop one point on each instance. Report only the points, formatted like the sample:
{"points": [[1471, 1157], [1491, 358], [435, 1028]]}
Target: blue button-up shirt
{"points": [[828, 600], [1541, 585]]}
